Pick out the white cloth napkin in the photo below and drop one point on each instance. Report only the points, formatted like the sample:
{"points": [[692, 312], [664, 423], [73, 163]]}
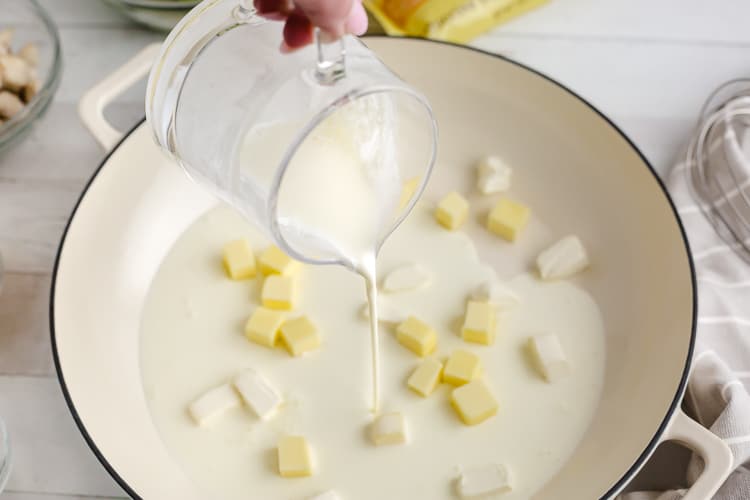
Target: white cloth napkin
{"points": [[718, 387]]}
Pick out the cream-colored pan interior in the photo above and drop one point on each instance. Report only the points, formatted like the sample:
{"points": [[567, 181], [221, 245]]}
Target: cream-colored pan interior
{"points": [[572, 165]]}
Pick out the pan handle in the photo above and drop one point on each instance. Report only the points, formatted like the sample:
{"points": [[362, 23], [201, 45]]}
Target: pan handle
{"points": [[716, 455], [92, 104]]}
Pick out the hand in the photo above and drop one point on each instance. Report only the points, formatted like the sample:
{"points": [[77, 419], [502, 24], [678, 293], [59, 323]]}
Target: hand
{"points": [[334, 17]]}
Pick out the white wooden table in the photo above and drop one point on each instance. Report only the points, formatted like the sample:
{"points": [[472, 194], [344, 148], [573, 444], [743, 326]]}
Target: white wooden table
{"points": [[648, 65]]}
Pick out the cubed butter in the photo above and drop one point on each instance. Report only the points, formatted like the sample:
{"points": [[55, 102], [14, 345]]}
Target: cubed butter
{"points": [[295, 457], [407, 192], [274, 261], [239, 260], [461, 368], [479, 323], [258, 393], [263, 326], [416, 336], [388, 429], [279, 292], [563, 259], [452, 211], [300, 335], [213, 404], [493, 175], [508, 218], [549, 357], [474, 402], [426, 377], [483, 481]]}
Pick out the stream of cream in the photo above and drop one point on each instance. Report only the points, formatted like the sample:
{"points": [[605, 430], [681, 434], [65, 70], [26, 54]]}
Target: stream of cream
{"points": [[339, 194], [371, 284]]}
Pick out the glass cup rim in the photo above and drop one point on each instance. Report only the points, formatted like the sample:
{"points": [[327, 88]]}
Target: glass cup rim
{"points": [[302, 135]]}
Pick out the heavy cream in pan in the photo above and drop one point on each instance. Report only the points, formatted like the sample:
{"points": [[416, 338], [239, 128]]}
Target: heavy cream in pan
{"points": [[192, 340]]}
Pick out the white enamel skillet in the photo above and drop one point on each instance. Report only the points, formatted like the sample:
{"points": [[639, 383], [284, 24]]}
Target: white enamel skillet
{"points": [[575, 166]]}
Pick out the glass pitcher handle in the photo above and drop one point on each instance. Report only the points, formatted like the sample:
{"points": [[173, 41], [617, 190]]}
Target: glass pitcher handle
{"points": [[245, 11], [331, 65]]}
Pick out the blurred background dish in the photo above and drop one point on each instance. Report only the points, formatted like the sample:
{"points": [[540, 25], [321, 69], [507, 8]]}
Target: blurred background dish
{"points": [[156, 14], [456, 21], [31, 26]]}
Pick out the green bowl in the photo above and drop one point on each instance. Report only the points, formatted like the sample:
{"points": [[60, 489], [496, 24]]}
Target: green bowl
{"points": [[160, 15]]}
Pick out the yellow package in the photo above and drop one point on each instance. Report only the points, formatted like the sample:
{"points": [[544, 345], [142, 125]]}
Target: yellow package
{"points": [[453, 20]]}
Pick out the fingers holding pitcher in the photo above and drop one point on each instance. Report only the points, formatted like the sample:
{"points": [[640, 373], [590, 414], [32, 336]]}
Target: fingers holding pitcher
{"points": [[333, 17]]}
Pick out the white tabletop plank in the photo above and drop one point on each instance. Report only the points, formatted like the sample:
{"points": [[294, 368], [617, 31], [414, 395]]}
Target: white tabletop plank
{"points": [[24, 330], [635, 78], [12, 495], [692, 22], [49, 455], [91, 53]]}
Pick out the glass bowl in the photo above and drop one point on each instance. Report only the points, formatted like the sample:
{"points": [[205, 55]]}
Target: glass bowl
{"points": [[161, 15], [31, 24]]}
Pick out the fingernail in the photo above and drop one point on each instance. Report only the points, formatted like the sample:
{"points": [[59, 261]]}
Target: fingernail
{"points": [[356, 24], [298, 31]]}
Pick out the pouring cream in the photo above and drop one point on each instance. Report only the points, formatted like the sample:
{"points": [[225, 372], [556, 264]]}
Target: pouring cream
{"points": [[339, 194]]}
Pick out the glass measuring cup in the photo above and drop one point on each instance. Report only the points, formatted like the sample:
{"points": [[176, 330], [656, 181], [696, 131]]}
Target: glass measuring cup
{"points": [[221, 81]]}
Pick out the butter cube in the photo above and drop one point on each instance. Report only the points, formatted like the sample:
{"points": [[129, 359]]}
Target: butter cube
{"points": [[263, 326], [407, 192], [426, 377], [493, 175], [295, 457], [258, 394], [279, 292], [213, 404], [563, 259], [483, 481], [479, 323], [239, 260], [274, 261], [508, 218], [474, 402], [416, 336], [549, 357], [388, 429], [461, 368], [328, 495], [452, 211], [300, 336]]}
